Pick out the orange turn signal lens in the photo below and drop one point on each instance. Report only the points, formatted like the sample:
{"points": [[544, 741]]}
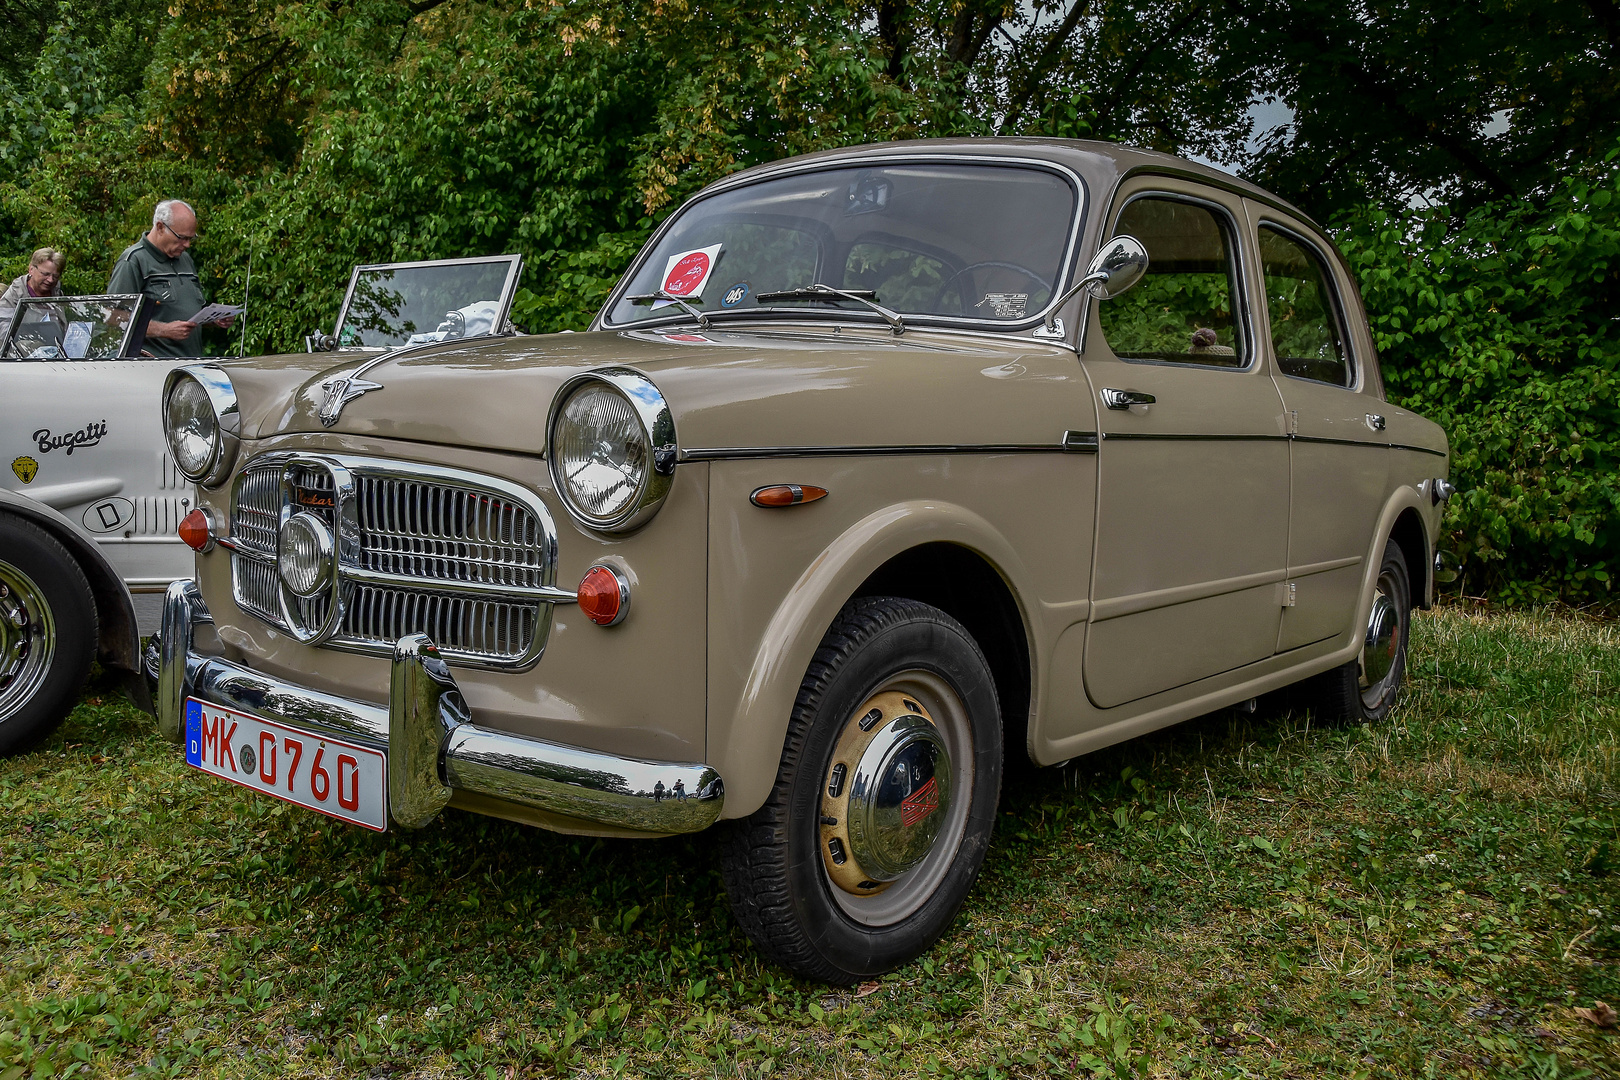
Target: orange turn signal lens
{"points": [[786, 495], [195, 531], [604, 596]]}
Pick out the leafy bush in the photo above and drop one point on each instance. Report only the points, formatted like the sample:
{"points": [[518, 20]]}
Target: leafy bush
{"points": [[1502, 327]]}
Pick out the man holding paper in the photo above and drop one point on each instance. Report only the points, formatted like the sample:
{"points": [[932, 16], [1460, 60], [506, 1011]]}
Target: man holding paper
{"points": [[159, 266]]}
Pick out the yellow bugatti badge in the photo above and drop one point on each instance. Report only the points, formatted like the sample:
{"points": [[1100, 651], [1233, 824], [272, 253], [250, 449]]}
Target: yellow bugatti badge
{"points": [[25, 467]]}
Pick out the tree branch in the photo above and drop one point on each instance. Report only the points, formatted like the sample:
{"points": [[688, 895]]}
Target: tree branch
{"points": [[1044, 63]]}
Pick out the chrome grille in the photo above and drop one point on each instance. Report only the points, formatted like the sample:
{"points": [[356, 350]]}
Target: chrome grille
{"points": [[414, 525], [256, 512], [490, 628], [428, 530], [256, 586]]}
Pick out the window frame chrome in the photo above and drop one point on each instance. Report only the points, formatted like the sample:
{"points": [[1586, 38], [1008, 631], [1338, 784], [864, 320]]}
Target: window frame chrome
{"points": [[1022, 328], [514, 273], [1244, 314], [1266, 221]]}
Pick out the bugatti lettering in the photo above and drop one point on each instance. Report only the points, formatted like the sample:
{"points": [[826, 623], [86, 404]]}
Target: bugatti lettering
{"points": [[89, 435]]}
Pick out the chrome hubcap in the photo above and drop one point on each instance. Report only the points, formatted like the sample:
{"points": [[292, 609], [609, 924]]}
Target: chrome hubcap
{"points": [[895, 795], [894, 798], [1382, 643], [27, 639]]}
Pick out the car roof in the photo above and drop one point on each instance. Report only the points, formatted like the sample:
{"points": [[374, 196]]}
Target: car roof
{"points": [[1103, 164]]}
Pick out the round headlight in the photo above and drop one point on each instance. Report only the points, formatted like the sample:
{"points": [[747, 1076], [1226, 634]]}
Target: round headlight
{"points": [[199, 422], [304, 554], [612, 449]]}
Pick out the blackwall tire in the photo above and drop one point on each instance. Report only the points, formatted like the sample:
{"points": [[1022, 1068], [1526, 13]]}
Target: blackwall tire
{"points": [[839, 881], [47, 633], [1367, 688]]}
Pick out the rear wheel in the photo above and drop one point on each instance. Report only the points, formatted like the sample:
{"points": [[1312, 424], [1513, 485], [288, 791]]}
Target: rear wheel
{"points": [[47, 633], [883, 806], [1366, 688]]}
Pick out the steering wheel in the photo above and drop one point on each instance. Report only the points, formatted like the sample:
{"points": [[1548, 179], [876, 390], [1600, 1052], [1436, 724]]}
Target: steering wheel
{"points": [[992, 264]]}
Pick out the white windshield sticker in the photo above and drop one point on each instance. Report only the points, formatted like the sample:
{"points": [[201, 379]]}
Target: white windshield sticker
{"points": [[688, 271], [1006, 305]]}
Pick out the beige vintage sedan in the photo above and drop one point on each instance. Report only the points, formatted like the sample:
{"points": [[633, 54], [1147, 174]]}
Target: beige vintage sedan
{"points": [[878, 466]]}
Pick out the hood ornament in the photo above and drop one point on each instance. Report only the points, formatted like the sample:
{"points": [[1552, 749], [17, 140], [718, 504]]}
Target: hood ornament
{"points": [[344, 388]]}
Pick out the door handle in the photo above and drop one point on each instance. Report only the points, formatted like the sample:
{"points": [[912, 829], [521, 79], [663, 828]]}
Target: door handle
{"points": [[1375, 421], [1124, 399]]}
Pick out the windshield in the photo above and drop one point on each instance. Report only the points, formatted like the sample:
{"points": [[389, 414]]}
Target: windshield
{"points": [[417, 303], [70, 328], [959, 241]]}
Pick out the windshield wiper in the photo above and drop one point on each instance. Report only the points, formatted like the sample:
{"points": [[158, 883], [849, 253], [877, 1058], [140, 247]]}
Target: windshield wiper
{"points": [[647, 298], [827, 293]]}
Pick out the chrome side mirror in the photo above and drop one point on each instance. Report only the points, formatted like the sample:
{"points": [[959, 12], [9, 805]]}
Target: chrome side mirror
{"points": [[1118, 265]]}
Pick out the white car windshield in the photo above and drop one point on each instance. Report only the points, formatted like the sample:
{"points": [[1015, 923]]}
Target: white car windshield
{"points": [[71, 328], [957, 241]]}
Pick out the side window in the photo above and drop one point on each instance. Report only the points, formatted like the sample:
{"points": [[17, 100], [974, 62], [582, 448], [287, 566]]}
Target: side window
{"points": [[1183, 310], [1305, 330]]}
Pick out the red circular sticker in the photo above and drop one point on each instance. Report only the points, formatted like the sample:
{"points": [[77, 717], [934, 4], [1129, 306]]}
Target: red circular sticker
{"points": [[687, 274]]}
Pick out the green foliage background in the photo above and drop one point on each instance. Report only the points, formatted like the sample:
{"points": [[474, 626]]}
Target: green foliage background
{"points": [[313, 134]]}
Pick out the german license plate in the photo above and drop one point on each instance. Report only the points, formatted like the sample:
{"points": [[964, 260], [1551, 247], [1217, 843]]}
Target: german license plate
{"points": [[320, 773]]}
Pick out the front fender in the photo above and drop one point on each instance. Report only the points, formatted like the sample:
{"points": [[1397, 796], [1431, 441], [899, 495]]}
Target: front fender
{"points": [[119, 643], [747, 733]]}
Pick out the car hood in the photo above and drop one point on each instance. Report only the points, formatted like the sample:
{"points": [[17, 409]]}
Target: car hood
{"points": [[726, 390]]}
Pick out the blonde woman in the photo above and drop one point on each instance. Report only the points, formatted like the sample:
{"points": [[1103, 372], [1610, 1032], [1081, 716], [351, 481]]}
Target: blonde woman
{"points": [[44, 278]]}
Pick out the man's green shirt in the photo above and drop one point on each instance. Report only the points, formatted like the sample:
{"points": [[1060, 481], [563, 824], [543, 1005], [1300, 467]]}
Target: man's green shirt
{"points": [[170, 284]]}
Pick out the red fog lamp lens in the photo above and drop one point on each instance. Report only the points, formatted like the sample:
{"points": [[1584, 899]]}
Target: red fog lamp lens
{"points": [[604, 596], [196, 530]]}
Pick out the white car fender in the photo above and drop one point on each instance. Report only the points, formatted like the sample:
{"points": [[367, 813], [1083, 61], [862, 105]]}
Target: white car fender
{"points": [[118, 646]]}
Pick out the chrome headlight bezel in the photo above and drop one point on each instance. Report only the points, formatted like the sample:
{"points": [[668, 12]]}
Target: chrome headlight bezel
{"points": [[227, 422], [657, 429]]}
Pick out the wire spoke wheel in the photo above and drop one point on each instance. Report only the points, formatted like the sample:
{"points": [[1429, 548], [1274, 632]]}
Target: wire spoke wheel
{"points": [[27, 639]]}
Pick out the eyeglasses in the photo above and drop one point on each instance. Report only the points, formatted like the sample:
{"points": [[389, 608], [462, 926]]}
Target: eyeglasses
{"points": [[182, 237]]}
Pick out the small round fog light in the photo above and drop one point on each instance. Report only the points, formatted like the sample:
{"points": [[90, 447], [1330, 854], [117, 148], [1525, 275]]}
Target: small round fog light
{"points": [[305, 554]]}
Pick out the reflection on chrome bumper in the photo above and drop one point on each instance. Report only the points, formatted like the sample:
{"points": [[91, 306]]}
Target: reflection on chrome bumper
{"points": [[433, 747]]}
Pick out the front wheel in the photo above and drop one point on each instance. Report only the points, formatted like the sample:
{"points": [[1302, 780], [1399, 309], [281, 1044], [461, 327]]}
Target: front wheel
{"points": [[884, 802], [47, 633], [1366, 688]]}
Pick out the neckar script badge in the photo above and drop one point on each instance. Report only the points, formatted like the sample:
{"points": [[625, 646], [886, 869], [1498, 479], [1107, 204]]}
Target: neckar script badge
{"points": [[26, 469]]}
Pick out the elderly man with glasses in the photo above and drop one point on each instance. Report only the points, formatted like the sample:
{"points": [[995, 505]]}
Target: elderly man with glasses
{"points": [[159, 265], [44, 278]]}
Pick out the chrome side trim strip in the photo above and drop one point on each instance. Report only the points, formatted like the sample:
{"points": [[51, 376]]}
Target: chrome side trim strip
{"points": [[1116, 606], [1134, 436], [1074, 442]]}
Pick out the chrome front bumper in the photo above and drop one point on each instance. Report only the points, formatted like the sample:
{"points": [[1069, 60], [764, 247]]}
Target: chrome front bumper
{"points": [[432, 744]]}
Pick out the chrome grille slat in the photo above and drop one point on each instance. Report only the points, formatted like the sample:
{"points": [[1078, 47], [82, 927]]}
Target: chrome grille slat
{"points": [[412, 522]]}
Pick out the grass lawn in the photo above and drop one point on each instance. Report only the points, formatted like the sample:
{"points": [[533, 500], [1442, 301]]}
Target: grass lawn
{"points": [[1237, 896]]}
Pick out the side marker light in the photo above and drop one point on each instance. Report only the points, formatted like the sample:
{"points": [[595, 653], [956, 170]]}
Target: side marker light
{"points": [[786, 495]]}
